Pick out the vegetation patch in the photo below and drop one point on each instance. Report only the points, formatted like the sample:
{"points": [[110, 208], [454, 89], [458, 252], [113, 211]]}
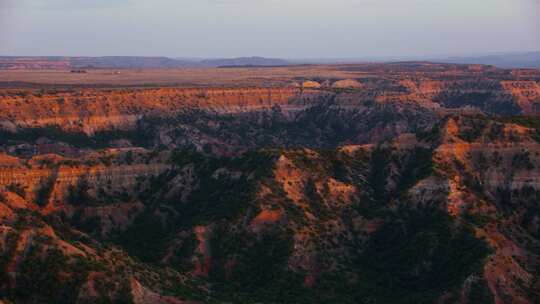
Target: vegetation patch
{"points": [[44, 192], [416, 257]]}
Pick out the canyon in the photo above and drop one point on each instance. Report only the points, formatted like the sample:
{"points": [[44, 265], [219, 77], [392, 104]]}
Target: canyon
{"points": [[408, 182]]}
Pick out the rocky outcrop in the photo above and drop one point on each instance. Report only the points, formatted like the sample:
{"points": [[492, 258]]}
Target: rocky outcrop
{"points": [[311, 84], [347, 84], [527, 94]]}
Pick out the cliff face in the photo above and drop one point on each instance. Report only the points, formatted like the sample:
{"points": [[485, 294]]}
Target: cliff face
{"points": [[527, 94], [90, 110]]}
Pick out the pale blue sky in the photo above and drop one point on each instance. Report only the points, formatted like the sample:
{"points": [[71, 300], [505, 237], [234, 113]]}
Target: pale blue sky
{"points": [[273, 28]]}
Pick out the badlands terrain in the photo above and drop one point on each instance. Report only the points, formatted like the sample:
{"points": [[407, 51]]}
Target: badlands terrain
{"points": [[409, 182]]}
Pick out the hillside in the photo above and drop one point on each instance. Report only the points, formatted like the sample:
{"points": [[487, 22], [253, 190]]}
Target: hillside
{"points": [[127, 62], [414, 183], [529, 60]]}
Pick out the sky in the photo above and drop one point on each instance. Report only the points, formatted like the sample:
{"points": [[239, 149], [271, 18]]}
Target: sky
{"points": [[270, 28]]}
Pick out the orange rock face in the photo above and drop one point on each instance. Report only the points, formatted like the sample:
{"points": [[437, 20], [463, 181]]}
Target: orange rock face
{"points": [[94, 110], [266, 217]]}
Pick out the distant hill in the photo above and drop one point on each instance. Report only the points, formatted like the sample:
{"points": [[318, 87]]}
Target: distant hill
{"points": [[115, 62], [244, 61], [510, 60], [501, 60], [128, 62]]}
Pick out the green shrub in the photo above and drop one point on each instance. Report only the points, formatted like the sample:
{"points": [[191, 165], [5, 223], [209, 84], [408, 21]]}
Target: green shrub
{"points": [[417, 258], [44, 192], [522, 160], [473, 128], [78, 194], [17, 189]]}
